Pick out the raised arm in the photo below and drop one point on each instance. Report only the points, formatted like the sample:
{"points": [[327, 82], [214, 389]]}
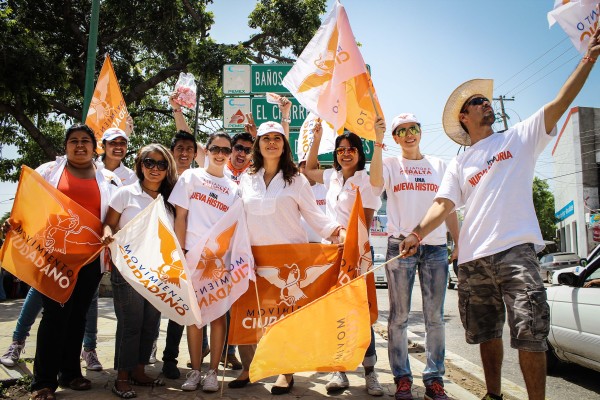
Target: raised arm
{"points": [[312, 163], [180, 122], [376, 171], [557, 107]]}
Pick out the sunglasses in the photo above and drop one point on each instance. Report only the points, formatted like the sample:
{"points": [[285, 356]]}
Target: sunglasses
{"points": [[214, 150], [411, 130], [150, 163], [475, 101], [240, 148], [340, 151]]}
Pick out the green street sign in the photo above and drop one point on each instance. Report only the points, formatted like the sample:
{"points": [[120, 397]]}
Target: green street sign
{"points": [[327, 158], [263, 111], [267, 78]]}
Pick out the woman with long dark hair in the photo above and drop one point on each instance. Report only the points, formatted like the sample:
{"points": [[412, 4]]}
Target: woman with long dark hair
{"points": [[137, 318]]}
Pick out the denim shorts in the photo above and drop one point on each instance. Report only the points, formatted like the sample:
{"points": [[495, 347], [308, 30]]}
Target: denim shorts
{"points": [[511, 281]]}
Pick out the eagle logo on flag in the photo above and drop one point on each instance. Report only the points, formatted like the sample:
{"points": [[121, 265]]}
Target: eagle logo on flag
{"points": [[171, 270], [291, 286], [211, 263]]}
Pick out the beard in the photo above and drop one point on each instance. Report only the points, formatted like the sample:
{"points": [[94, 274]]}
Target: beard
{"points": [[488, 119]]}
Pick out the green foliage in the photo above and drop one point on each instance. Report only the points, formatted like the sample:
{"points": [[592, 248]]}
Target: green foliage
{"points": [[543, 202], [43, 48]]}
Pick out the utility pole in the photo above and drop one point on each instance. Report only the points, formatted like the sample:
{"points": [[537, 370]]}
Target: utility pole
{"points": [[91, 59], [503, 113]]}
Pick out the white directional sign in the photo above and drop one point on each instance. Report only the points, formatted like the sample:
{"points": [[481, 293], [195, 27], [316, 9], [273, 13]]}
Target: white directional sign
{"points": [[234, 112]]}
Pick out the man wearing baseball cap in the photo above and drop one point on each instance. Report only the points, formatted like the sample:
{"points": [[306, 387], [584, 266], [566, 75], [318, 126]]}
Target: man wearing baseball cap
{"points": [[411, 181], [498, 268]]}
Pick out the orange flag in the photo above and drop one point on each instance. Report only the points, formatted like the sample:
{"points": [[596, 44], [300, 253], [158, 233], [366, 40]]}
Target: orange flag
{"points": [[329, 334], [356, 257], [330, 78], [288, 277], [107, 109], [52, 237]]}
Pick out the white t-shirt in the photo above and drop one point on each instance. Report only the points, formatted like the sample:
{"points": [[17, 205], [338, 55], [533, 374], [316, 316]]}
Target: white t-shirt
{"points": [[126, 175], [320, 192], [206, 198], [493, 179], [234, 176], [411, 186], [129, 201], [341, 195], [273, 213]]}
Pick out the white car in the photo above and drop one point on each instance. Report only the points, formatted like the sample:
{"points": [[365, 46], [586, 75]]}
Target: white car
{"points": [[574, 323], [379, 274], [452, 278]]}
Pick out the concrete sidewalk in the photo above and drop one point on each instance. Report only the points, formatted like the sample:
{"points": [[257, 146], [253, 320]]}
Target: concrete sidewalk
{"points": [[307, 384]]}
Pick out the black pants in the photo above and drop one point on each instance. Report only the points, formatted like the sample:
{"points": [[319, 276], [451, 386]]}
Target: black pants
{"points": [[61, 332], [174, 333]]}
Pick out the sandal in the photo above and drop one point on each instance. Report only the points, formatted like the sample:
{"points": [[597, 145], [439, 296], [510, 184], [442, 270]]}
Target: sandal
{"points": [[155, 382], [79, 383], [124, 394], [43, 394]]}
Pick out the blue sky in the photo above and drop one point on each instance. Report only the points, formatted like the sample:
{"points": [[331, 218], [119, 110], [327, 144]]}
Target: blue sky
{"points": [[419, 51]]}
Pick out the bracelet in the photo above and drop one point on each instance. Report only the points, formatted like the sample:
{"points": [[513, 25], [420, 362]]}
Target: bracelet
{"points": [[589, 59], [176, 110], [382, 145], [288, 120], [417, 236]]}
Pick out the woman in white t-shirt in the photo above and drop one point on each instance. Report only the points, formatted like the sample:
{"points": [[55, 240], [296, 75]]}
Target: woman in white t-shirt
{"points": [[137, 319], [114, 142], [201, 197], [275, 196], [342, 181]]}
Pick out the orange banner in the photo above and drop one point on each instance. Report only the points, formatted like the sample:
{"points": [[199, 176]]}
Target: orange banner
{"points": [[356, 257], [52, 237], [329, 334], [287, 277], [108, 108]]}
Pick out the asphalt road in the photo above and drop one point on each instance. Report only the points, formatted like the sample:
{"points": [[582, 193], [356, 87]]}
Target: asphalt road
{"points": [[569, 381]]}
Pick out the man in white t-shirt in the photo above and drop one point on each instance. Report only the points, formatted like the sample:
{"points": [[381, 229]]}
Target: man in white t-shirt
{"points": [[411, 181], [498, 269]]}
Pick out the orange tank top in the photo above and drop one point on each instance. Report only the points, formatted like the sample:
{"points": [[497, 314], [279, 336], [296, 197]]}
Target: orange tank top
{"points": [[84, 192]]}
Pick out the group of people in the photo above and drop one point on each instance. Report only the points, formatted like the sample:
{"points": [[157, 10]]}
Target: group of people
{"points": [[496, 246]]}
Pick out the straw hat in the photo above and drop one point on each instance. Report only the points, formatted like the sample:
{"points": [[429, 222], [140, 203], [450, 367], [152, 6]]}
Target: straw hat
{"points": [[455, 102]]}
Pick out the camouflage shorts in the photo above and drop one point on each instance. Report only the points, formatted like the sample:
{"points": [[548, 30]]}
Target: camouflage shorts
{"points": [[507, 280]]}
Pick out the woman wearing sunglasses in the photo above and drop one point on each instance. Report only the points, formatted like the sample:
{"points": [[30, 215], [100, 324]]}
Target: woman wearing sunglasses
{"points": [[348, 175], [137, 319], [275, 196], [194, 215]]}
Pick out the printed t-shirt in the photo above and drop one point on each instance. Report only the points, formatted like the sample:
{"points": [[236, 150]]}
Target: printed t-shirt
{"points": [[411, 186], [320, 192], [206, 198], [493, 179], [129, 201], [84, 192]]}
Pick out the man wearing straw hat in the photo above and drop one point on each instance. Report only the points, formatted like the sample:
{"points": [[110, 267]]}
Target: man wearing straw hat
{"points": [[498, 269]]}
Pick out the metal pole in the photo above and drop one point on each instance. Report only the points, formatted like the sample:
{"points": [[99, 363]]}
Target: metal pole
{"points": [[91, 59]]}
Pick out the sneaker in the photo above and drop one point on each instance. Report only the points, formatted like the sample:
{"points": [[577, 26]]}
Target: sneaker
{"points": [[152, 358], [489, 396], [404, 389], [210, 383], [192, 379], [435, 391], [12, 355], [338, 381], [232, 362], [372, 384], [170, 370], [91, 360]]}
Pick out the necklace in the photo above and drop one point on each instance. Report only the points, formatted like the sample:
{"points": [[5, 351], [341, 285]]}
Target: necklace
{"points": [[150, 190]]}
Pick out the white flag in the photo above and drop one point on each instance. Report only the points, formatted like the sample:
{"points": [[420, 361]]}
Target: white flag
{"points": [[305, 139], [222, 264], [146, 252], [579, 20]]}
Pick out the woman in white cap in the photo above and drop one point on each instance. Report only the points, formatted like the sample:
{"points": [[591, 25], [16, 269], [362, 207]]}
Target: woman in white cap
{"points": [[193, 217], [137, 319], [114, 142], [275, 196], [347, 175]]}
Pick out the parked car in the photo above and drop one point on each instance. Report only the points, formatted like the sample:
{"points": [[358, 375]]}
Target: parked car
{"points": [[574, 323], [452, 272], [379, 274], [555, 261], [577, 270]]}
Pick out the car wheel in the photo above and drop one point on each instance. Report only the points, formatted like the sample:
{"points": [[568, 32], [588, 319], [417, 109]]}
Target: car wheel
{"points": [[450, 284], [551, 360]]}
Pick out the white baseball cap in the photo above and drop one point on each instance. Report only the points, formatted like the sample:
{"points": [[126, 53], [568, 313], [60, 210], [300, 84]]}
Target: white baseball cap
{"points": [[270, 127], [403, 118], [113, 133]]}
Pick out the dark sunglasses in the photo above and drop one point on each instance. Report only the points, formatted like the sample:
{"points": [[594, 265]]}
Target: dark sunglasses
{"points": [[411, 130], [340, 151], [475, 101], [214, 150], [150, 163], [240, 148]]}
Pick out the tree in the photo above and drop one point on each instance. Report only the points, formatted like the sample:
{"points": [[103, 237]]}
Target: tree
{"points": [[43, 51], [543, 202]]}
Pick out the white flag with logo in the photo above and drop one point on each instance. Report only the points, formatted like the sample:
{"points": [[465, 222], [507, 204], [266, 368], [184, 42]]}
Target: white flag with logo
{"points": [[221, 264], [578, 18], [305, 138], [146, 252]]}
